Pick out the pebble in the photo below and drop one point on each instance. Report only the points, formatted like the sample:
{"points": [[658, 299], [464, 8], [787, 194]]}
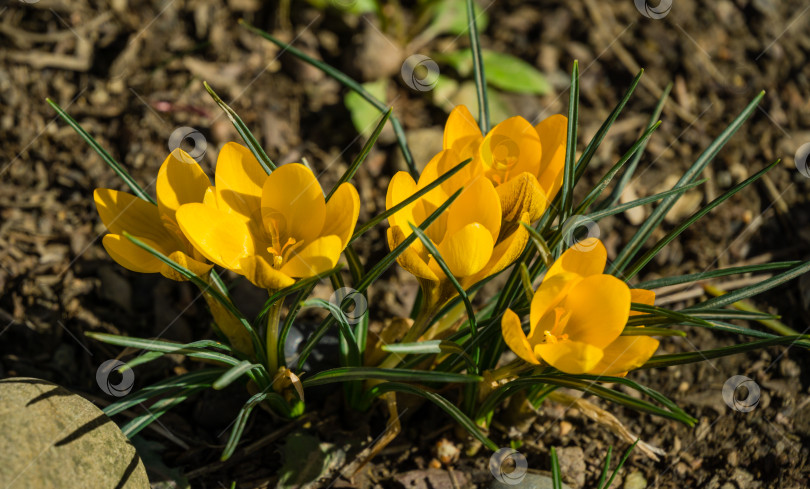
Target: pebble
{"points": [[635, 480]]}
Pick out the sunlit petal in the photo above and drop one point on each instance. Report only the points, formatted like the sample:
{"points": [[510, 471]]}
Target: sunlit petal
{"points": [[180, 181], [313, 258], [626, 353], [599, 306], [400, 188], [511, 148], [461, 132], [467, 250], [131, 256], [552, 132], [522, 195], [196, 267], [410, 259], [239, 179], [571, 357], [120, 211], [293, 199], [515, 338], [479, 203], [341, 213], [221, 237], [587, 258], [262, 274]]}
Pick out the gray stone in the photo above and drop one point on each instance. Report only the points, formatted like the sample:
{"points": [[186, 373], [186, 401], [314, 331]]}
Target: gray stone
{"points": [[52, 438]]}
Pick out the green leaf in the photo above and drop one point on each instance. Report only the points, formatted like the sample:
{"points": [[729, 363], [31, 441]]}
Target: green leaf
{"points": [[234, 373], [659, 361], [478, 69], [343, 374], [438, 400], [348, 82], [431, 347], [449, 16], [199, 378], [356, 7], [116, 167], [597, 215], [242, 417], [654, 220], [556, 478], [364, 115], [346, 333], [650, 254], [161, 346], [503, 70], [723, 272], [621, 464], [647, 331], [247, 136], [156, 410], [567, 191]]}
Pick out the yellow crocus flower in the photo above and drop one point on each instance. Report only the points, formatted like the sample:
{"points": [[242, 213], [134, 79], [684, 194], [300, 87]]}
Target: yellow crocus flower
{"points": [[180, 181], [469, 235], [577, 316], [524, 163], [273, 229]]}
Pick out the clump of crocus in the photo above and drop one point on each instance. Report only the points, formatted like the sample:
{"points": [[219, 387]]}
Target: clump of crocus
{"points": [[180, 181], [273, 229], [577, 317], [524, 162]]}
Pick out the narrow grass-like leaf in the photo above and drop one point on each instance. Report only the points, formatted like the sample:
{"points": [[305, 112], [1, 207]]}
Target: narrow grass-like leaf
{"points": [[296, 287], [597, 215], [605, 467], [390, 212], [355, 266], [346, 333], [162, 346], [295, 308], [199, 378], [275, 400], [234, 373], [111, 162], [650, 254], [596, 141], [556, 478], [155, 411], [769, 321], [631, 331], [438, 400], [567, 193], [343, 374], [478, 69], [667, 313], [247, 136], [659, 361], [526, 281], [542, 248], [752, 290], [621, 462], [348, 82], [431, 347], [373, 274], [631, 167], [654, 220], [723, 272], [372, 140], [185, 349]]}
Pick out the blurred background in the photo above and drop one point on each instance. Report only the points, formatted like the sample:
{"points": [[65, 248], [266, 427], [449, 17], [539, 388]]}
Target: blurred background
{"points": [[131, 73]]}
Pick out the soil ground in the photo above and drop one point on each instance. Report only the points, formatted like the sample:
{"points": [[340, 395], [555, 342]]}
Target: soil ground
{"points": [[131, 73]]}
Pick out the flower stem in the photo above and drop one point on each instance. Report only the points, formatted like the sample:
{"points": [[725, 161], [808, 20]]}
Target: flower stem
{"points": [[273, 319]]}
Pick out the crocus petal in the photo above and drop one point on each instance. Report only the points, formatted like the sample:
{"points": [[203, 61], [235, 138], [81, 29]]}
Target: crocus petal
{"points": [[210, 197], [547, 297], [479, 203], [641, 296], [511, 148], [196, 267], [571, 357], [341, 213], [522, 195], [293, 199], [313, 258], [239, 179], [461, 132], [599, 306], [515, 338], [467, 250], [120, 211], [552, 132], [624, 354], [221, 237], [587, 258], [131, 256], [505, 252], [262, 274], [446, 161], [180, 181], [400, 188], [410, 259]]}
